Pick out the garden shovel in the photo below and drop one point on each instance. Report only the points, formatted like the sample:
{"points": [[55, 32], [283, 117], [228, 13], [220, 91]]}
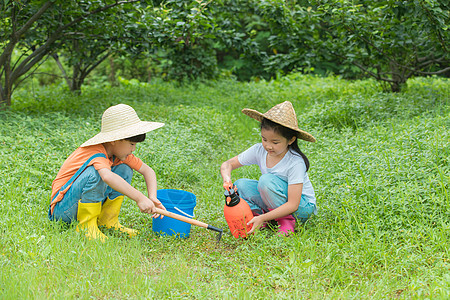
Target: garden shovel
{"points": [[190, 221]]}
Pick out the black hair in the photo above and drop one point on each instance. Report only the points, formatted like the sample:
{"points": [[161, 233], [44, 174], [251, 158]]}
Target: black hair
{"points": [[137, 138], [286, 133]]}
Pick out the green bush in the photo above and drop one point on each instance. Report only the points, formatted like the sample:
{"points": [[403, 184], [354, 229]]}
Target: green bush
{"points": [[359, 110]]}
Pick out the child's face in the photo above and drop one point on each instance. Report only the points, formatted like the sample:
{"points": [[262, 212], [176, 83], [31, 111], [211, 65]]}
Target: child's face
{"points": [[121, 149], [274, 143]]}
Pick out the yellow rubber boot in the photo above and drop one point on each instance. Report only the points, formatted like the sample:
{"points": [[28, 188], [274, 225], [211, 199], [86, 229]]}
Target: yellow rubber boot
{"points": [[87, 216], [109, 216]]}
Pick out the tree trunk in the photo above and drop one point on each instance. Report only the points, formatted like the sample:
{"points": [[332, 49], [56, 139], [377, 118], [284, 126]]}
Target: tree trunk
{"points": [[112, 73], [6, 88], [149, 70], [5, 100], [5, 97], [61, 68], [75, 86], [398, 78]]}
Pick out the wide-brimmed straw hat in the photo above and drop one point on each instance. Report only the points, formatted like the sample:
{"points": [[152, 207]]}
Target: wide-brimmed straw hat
{"points": [[283, 114], [120, 122]]}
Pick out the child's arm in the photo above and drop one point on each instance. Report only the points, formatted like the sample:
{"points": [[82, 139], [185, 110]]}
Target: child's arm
{"points": [[150, 181], [226, 168], [294, 197], [119, 184]]}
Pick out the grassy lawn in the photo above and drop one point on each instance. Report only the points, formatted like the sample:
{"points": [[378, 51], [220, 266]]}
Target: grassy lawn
{"points": [[380, 169]]}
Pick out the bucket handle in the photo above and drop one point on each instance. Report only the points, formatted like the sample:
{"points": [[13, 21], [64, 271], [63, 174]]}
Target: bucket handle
{"points": [[183, 213]]}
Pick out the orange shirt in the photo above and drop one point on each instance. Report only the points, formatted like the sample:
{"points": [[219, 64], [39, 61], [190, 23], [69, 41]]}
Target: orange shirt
{"points": [[79, 157]]}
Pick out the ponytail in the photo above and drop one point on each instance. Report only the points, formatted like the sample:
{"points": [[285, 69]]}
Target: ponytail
{"points": [[294, 146]]}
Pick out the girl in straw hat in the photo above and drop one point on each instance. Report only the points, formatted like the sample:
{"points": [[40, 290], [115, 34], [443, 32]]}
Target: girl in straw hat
{"points": [[92, 182], [284, 192]]}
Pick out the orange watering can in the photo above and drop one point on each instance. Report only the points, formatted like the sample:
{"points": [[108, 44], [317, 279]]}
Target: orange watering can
{"points": [[237, 212]]}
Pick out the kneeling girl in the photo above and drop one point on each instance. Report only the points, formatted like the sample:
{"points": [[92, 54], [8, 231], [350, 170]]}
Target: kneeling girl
{"points": [[284, 192]]}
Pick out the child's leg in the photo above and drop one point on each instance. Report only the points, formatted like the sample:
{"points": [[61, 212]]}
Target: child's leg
{"points": [[123, 171], [248, 190], [305, 210], [88, 187], [109, 215], [274, 193], [273, 190]]}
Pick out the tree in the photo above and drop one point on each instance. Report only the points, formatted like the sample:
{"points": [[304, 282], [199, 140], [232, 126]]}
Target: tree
{"points": [[293, 31], [92, 40], [389, 40], [182, 38], [37, 29]]}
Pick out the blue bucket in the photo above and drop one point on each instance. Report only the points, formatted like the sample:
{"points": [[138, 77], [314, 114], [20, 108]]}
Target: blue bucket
{"points": [[178, 202]]}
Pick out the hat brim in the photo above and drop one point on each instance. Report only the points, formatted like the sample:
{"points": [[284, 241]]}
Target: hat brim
{"points": [[123, 133], [301, 134]]}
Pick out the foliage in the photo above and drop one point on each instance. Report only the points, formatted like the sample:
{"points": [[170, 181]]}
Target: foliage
{"points": [[183, 32], [38, 28], [381, 180], [242, 41], [358, 111], [390, 40], [89, 44]]}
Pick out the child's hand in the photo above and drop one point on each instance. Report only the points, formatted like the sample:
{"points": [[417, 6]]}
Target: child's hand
{"points": [[227, 185], [159, 205], [257, 222], [146, 206]]}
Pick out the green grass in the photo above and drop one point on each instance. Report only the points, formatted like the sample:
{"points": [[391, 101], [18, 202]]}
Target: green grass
{"points": [[380, 169]]}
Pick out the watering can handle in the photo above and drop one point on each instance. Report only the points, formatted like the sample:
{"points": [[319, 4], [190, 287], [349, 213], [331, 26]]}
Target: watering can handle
{"points": [[227, 185]]}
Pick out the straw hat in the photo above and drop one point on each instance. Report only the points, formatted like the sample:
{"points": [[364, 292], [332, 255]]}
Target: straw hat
{"points": [[120, 122], [283, 114]]}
